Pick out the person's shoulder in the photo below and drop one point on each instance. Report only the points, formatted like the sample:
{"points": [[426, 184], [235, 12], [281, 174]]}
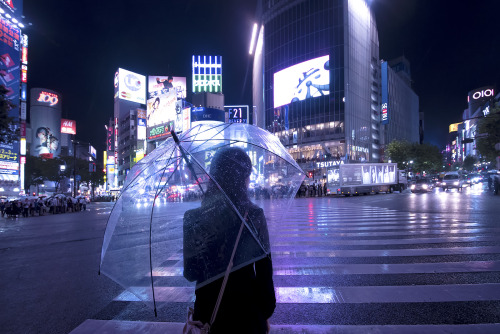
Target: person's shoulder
{"points": [[193, 213], [254, 209]]}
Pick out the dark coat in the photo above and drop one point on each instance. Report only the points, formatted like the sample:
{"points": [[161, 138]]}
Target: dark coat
{"points": [[249, 298]]}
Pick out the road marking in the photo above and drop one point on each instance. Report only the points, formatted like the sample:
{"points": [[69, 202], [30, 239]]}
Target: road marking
{"points": [[344, 295], [398, 268], [124, 326]]}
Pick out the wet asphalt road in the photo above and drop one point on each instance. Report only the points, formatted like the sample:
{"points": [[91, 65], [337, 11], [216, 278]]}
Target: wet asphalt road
{"points": [[399, 259]]}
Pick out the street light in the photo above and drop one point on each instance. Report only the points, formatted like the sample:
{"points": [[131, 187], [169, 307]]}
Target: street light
{"points": [[75, 143]]}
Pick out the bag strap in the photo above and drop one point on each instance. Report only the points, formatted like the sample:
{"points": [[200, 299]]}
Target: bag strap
{"points": [[228, 270]]}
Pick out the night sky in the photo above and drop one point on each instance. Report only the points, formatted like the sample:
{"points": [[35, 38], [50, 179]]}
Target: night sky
{"points": [[75, 48]]}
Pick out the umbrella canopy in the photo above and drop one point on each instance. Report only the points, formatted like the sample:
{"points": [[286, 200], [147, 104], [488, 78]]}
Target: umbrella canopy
{"points": [[186, 210]]}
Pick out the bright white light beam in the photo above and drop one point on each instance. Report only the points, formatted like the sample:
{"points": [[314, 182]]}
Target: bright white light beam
{"points": [[254, 35]]}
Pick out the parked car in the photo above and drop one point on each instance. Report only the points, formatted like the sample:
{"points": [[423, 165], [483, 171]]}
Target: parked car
{"points": [[421, 185], [452, 180]]}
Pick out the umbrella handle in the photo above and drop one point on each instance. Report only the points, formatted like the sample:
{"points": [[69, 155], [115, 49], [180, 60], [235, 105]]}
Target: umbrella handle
{"points": [[228, 270]]}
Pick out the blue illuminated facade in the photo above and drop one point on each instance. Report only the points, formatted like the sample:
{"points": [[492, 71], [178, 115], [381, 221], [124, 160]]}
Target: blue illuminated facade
{"points": [[299, 42]]}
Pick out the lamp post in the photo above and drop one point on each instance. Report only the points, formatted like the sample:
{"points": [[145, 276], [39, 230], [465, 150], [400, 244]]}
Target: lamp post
{"points": [[75, 144]]}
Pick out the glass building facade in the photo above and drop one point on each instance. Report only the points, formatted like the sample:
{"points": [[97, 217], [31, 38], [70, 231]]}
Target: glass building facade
{"points": [[316, 78]]}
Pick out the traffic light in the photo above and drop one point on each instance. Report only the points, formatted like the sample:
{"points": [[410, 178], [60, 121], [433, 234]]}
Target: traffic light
{"points": [[311, 174]]}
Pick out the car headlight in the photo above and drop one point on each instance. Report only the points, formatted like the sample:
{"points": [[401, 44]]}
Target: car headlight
{"points": [[425, 186], [456, 183], [412, 186], [444, 183]]}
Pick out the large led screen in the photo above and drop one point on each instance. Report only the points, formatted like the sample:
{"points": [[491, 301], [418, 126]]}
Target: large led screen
{"points": [[367, 174], [302, 81], [131, 86], [163, 92]]}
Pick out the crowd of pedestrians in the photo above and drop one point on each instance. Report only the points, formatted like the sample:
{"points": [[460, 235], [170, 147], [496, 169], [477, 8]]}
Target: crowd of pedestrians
{"points": [[312, 190], [39, 206]]}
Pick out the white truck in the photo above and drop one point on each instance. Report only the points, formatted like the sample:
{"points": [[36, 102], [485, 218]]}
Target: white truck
{"points": [[365, 178]]}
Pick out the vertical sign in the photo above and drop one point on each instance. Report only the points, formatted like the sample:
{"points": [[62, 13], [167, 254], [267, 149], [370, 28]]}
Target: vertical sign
{"points": [[10, 72], [385, 95]]}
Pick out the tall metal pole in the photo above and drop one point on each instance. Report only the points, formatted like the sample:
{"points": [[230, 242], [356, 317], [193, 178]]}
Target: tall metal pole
{"points": [[74, 168]]}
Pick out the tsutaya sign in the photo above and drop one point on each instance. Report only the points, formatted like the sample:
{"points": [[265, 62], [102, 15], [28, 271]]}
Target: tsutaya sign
{"points": [[326, 164], [50, 98]]}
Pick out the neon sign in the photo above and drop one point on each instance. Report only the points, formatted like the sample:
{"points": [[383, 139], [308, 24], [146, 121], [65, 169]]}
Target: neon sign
{"points": [[207, 74], [237, 114], [50, 98], [68, 126], [384, 112], [483, 93]]}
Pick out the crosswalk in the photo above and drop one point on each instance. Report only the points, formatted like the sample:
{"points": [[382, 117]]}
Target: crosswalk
{"points": [[339, 268]]}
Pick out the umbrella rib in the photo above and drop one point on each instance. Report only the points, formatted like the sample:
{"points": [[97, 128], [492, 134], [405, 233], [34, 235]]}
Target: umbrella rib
{"points": [[256, 145], [190, 141], [128, 185], [158, 191]]}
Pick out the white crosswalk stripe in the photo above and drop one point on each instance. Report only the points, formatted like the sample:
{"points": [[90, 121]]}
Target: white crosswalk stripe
{"points": [[412, 268]]}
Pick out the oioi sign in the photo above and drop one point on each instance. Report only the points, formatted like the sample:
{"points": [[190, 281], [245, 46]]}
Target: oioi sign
{"points": [[483, 93]]}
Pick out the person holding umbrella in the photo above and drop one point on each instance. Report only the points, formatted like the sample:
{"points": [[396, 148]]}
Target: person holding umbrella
{"points": [[214, 236]]}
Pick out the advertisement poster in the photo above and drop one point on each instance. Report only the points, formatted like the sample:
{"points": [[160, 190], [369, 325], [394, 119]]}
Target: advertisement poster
{"points": [[45, 123], [160, 131], [10, 73], [367, 174], [186, 119], [163, 93], [131, 86], [302, 81]]}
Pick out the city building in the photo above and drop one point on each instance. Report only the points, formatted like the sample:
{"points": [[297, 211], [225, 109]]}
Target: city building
{"points": [[13, 85], [479, 100], [129, 100], [316, 80], [400, 117]]}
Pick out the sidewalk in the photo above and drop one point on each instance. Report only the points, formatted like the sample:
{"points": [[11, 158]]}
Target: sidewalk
{"points": [[136, 327]]}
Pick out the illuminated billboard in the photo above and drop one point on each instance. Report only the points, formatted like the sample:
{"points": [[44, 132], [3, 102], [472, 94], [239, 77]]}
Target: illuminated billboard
{"points": [[207, 74], [186, 119], [141, 124], [384, 118], [10, 78], [45, 114], [160, 131], [237, 114], [12, 6], [130, 86], [367, 174], [200, 114], [454, 127], [68, 126], [302, 81], [163, 92], [478, 97]]}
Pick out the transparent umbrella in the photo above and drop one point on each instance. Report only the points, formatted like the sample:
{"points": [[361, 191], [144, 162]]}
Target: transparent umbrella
{"points": [[196, 209]]}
